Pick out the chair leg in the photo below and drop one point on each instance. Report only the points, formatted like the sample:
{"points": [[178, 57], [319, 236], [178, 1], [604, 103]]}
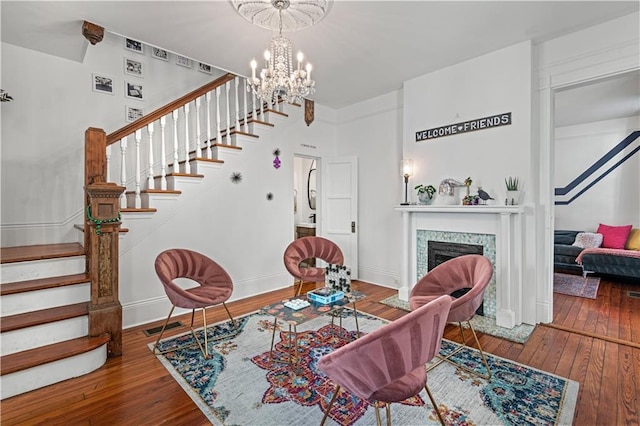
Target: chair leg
{"points": [[299, 288], [433, 402], [447, 358], [333, 399], [162, 331], [378, 420], [204, 330], [230, 316], [387, 406]]}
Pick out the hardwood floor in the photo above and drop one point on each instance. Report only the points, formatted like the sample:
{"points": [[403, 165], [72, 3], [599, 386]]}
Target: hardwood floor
{"points": [[136, 389]]}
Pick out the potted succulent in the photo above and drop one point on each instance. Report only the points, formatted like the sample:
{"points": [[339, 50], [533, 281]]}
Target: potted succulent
{"points": [[425, 193], [513, 191]]}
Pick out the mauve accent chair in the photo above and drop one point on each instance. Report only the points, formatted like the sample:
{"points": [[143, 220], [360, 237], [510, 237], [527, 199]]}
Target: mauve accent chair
{"points": [[471, 271], [389, 364], [310, 248], [214, 286]]}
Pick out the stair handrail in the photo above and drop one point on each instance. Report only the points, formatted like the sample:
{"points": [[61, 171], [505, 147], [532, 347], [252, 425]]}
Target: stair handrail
{"points": [[168, 108]]}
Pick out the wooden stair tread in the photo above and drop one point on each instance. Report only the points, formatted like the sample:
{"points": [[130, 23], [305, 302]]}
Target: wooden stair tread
{"points": [[253, 120], [277, 112], [132, 210], [42, 283], [81, 228], [33, 357], [209, 160], [221, 145], [156, 191], [43, 316], [40, 252]]}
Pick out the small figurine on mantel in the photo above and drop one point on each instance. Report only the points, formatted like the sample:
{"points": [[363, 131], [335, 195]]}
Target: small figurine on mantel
{"points": [[484, 196], [467, 183]]}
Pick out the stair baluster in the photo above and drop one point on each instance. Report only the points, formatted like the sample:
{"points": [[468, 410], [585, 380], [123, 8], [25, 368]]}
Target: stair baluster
{"points": [[137, 201], [207, 98], [237, 81], [187, 166], [227, 86], [163, 156], [176, 161], [150, 183], [123, 171], [218, 121], [244, 101], [198, 130]]}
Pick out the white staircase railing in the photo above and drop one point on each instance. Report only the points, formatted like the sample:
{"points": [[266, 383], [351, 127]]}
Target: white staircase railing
{"points": [[172, 136]]}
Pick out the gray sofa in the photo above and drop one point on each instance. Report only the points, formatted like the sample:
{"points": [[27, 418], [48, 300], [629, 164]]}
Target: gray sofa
{"points": [[565, 254]]}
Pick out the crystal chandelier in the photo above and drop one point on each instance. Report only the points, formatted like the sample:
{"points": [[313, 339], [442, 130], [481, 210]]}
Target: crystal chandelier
{"points": [[279, 78]]}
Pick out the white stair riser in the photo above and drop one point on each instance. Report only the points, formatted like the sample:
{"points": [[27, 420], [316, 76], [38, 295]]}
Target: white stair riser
{"points": [[44, 334], [42, 299], [22, 271], [53, 372]]}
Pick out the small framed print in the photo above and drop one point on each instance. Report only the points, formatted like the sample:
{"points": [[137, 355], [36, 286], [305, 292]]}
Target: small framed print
{"points": [[133, 113], [183, 61], [133, 91], [134, 45], [161, 54], [102, 83], [205, 68], [133, 67]]}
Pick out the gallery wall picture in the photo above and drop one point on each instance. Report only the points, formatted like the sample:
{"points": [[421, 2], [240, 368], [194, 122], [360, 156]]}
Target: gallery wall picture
{"points": [[183, 61], [133, 113], [133, 45], [102, 83], [133, 67], [161, 54], [133, 91], [205, 68]]}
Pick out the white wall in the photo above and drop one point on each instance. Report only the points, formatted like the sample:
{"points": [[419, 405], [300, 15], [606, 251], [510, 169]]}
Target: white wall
{"points": [[372, 131], [43, 131], [495, 83], [614, 200]]}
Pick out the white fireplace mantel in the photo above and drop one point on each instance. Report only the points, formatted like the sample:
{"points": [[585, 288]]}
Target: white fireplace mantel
{"points": [[505, 222]]}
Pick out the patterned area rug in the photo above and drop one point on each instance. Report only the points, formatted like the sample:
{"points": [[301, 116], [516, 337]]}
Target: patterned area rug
{"points": [[518, 334], [241, 385], [576, 285]]}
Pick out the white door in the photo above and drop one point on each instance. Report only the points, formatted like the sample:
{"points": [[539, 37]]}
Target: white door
{"points": [[339, 206]]}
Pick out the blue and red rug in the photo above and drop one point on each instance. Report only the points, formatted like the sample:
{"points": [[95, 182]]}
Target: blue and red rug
{"points": [[241, 384]]}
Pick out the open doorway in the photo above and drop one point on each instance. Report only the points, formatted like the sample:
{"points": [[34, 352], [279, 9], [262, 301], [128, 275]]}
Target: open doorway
{"points": [[306, 195]]}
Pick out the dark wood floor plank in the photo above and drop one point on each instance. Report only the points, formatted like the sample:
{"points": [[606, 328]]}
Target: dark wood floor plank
{"points": [[609, 388], [137, 389]]}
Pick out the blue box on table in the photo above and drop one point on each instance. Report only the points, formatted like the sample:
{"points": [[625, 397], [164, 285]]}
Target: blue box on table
{"points": [[325, 295]]}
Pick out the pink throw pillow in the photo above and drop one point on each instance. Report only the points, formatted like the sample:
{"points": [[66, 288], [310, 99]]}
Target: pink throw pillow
{"points": [[614, 236]]}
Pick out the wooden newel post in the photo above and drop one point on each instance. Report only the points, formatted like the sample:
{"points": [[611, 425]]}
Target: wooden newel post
{"points": [[103, 225]]}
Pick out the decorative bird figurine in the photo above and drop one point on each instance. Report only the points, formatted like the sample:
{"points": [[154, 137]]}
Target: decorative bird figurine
{"points": [[484, 196]]}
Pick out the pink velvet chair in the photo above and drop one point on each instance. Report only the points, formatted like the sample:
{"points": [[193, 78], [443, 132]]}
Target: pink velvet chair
{"points": [[214, 286], [310, 248], [388, 364], [469, 271]]}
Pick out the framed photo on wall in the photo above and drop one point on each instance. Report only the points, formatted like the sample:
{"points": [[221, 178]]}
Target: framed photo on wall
{"points": [[183, 61], [133, 113], [133, 67], [133, 45], [161, 54], [102, 83], [205, 68], [133, 91]]}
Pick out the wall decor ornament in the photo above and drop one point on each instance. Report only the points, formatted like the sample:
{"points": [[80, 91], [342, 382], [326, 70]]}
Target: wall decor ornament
{"points": [[236, 177], [102, 83], [134, 45], [276, 161], [309, 111], [269, 196]]}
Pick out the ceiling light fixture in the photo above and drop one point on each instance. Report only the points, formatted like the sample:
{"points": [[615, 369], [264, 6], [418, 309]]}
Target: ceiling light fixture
{"points": [[278, 78]]}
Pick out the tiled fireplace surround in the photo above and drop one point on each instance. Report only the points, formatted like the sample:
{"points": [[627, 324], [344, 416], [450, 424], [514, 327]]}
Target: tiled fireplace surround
{"points": [[497, 228]]}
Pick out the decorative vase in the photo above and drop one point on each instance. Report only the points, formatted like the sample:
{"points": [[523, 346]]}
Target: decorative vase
{"points": [[513, 198], [424, 198]]}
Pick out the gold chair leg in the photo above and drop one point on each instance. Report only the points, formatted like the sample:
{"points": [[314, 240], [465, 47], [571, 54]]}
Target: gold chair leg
{"points": [[333, 398], [387, 406], [299, 288], [433, 402], [162, 331], [233, 321], [378, 420], [204, 329], [447, 358]]}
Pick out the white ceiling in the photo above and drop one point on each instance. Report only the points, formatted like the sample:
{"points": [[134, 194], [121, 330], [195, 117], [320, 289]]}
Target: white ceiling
{"points": [[361, 49]]}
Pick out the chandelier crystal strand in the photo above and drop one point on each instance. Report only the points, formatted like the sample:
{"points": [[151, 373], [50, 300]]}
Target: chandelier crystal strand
{"points": [[279, 80]]}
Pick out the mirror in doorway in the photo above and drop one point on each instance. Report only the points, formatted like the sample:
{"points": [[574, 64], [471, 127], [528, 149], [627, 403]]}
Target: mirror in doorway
{"points": [[311, 185]]}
